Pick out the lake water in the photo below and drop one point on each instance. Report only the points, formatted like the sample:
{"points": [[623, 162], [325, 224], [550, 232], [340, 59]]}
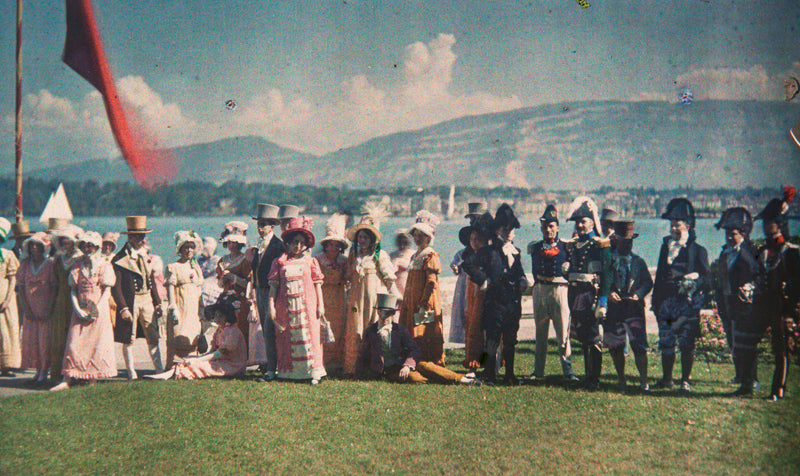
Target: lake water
{"points": [[651, 231]]}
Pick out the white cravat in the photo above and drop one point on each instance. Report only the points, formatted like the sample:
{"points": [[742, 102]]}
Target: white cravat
{"points": [[510, 251], [263, 242], [675, 247]]}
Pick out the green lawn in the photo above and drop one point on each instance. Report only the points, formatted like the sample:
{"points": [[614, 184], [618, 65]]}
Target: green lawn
{"points": [[241, 426]]}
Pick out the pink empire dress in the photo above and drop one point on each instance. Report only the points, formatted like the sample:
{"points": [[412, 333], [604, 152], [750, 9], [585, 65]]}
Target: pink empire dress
{"points": [[89, 351], [299, 346], [230, 343], [38, 286]]}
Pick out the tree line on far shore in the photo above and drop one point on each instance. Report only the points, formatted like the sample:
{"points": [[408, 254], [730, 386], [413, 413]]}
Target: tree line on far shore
{"points": [[193, 198]]}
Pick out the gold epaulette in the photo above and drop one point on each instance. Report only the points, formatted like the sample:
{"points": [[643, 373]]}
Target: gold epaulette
{"points": [[602, 242]]}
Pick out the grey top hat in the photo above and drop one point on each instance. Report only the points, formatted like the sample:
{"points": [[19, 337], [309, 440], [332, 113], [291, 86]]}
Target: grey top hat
{"points": [[265, 211], [475, 209], [386, 302], [286, 212], [609, 215]]}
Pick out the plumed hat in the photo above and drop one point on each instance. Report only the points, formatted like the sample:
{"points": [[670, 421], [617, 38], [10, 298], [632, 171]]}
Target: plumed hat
{"points": [[777, 207], [680, 209], [425, 222], [584, 207], [736, 218], [302, 225], [504, 217], [334, 229], [550, 214]]}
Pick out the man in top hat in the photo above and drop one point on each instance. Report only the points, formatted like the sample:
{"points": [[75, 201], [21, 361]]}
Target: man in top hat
{"points": [[734, 285], [388, 351], [549, 258], [679, 292], [607, 219], [778, 298], [474, 211], [630, 283], [589, 282], [21, 231], [268, 249], [136, 295], [497, 268], [286, 213]]}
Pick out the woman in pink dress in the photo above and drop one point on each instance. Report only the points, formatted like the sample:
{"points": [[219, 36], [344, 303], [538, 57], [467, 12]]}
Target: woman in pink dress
{"points": [[36, 291], [89, 353], [296, 305], [227, 356]]}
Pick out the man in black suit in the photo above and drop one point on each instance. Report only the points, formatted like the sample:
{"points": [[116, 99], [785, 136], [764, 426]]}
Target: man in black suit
{"points": [[268, 249]]}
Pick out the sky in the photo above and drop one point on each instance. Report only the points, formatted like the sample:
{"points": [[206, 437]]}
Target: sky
{"points": [[321, 75]]}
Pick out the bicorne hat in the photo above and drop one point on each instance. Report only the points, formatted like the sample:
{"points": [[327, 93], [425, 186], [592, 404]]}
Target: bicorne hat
{"points": [[776, 208], [550, 214], [736, 218], [680, 209], [504, 217]]}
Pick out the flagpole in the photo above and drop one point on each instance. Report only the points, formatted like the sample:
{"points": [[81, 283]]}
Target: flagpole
{"points": [[18, 118]]}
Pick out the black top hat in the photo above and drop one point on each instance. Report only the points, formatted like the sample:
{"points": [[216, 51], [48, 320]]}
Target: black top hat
{"points": [[505, 217], [550, 214], [736, 218], [609, 215], [623, 229], [475, 209], [680, 209]]}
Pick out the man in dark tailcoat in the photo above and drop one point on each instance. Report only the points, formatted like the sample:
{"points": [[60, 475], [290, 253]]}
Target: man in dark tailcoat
{"points": [[269, 248], [589, 281], [679, 292], [136, 295], [778, 299], [630, 283], [734, 285], [497, 268]]}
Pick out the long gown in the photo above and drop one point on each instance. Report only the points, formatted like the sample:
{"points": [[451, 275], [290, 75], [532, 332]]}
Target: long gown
{"points": [[422, 292], [473, 334], [39, 289], [89, 352], [9, 319], [239, 267], [230, 342], [367, 278], [299, 347], [62, 312], [182, 335], [333, 294], [457, 314]]}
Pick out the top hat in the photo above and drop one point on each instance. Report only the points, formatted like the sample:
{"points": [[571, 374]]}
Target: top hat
{"points": [[57, 224], [286, 212], [386, 301], [367, 223], [21, 230], [136, 224], [475, 209], [736, 218], [623, 230], [266, 211], [550, 214], [680, 209], [300, 225], [609, 215]]}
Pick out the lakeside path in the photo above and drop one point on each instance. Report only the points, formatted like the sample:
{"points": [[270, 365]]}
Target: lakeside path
{"points": [[527, 331]]}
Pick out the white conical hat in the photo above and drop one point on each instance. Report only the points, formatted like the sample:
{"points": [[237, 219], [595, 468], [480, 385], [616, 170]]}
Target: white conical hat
{"points": [[335, 229]]}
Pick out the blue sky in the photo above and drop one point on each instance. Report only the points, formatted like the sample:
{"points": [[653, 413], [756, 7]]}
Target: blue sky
{"points": [[320, 75]]}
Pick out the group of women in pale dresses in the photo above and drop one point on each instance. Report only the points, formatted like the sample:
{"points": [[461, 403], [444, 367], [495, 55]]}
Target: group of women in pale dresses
{"points": [[320, 304]]}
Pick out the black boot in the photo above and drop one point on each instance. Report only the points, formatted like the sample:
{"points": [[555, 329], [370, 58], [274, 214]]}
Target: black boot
{"points": [[687, 362], [743, 360], [508, 356], [667, 362]]}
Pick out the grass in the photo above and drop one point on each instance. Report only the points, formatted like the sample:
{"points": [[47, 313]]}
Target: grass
{"points": [[241, 426]]}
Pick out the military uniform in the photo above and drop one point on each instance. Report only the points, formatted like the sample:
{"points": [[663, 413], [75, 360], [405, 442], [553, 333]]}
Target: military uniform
{"points": [[778, 290]]}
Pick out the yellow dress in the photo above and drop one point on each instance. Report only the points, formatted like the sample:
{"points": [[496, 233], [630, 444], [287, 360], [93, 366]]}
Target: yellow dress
{"points": [[9, 319], [422, 293], [333, 295], [183, 329]]}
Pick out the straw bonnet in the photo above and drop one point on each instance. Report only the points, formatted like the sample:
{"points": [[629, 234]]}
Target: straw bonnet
{"points": [[425, 222], [111, 237], [300, 225], [91, 237], [38, 237], [136, 224], [235, 231], [368, 223], [182, 237]]}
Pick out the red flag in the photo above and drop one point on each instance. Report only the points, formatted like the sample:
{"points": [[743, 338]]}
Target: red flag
{"points": [[83, 52]]}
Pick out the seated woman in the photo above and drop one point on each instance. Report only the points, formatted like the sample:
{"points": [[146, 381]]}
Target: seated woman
{"points": [[228, 354]]}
